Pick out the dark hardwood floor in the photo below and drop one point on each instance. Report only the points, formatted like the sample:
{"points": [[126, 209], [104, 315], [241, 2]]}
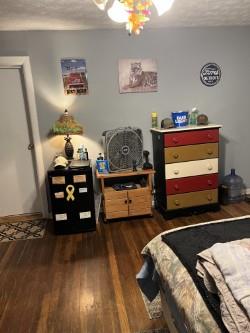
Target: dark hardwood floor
{"points": [[84, 282]]}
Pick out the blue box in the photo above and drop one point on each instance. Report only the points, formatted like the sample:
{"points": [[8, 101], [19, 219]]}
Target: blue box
{"points": [[180, 118], [102, 166]]}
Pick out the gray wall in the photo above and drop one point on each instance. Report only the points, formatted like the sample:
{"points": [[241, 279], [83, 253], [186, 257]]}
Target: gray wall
{"points": [[180, 54]]}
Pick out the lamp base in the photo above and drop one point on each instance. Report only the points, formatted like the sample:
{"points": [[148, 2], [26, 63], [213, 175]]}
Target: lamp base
{"points": [[69, 149]]}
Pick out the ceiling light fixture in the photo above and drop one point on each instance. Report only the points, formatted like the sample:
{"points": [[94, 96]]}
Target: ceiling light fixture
{"points": [[135, 13]]}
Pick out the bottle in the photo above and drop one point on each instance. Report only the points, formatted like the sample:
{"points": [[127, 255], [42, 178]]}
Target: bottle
{"points": [[86, 154], [80, 153], [193, 116], [232, 188], [154, 119]]}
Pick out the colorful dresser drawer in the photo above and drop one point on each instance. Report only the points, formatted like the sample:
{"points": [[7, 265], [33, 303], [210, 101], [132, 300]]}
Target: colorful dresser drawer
{"points": [[191, 184], [191, 137], [192, 199], [191, 168], [191, 152]]}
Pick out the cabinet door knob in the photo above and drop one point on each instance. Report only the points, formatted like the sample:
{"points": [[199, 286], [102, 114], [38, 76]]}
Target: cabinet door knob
{"points": [[177, 203], [175, 155], [126, 201], [176, 172], [130, 201]]}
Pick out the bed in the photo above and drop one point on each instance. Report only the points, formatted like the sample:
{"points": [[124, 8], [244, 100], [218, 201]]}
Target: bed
{"points": [[168, 270]]}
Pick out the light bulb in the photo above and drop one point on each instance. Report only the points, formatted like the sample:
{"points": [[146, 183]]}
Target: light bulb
{"points": [[118, 13], [162, 5]]}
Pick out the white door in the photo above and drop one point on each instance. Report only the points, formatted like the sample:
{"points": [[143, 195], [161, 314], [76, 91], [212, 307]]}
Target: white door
{"points": [[18, 190]]}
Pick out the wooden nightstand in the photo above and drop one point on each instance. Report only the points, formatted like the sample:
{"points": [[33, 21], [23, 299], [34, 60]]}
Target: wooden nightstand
{"points": [[126, 202]]}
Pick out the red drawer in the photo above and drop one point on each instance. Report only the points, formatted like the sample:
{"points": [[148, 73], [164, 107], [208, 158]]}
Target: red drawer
{"points": [[191, 137], [191, 184]]}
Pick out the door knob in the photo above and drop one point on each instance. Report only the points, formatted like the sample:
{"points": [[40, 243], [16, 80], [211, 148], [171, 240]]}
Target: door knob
{"points": [[30, 146]]}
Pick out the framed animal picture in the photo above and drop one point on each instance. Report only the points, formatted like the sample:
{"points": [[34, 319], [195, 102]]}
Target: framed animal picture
{"points": [[137, 75]]}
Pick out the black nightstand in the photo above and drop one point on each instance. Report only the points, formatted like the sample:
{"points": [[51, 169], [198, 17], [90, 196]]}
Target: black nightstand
{"points": [[72, 199]]}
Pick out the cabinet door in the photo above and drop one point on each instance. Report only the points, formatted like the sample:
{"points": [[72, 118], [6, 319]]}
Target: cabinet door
{"points": [[139, 202], [115, 203]]}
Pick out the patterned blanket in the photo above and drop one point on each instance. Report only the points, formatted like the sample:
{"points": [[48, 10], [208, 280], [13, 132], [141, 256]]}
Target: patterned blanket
{"points": [[173, 275], [225, 269]]}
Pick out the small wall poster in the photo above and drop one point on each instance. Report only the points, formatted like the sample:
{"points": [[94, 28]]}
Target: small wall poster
{"points": [[137, 75], [74, 75], [210, 74]]}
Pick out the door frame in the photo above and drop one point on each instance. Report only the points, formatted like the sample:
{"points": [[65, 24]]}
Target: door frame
{"points": [[23, 63]]}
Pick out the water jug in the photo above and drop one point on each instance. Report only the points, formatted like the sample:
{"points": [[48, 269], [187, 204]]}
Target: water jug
{"points": [[232, 188]]}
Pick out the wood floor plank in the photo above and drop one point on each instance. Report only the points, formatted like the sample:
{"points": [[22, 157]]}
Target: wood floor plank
{"points": [[84, 282]]}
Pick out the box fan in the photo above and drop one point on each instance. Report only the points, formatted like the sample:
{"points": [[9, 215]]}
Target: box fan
{"points": [[123, 148]]}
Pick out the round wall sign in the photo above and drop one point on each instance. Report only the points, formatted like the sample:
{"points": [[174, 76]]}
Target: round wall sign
{"points": [[210, 74]]}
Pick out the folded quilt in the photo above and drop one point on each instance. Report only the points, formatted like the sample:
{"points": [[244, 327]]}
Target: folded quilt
{"points": [[225, 269]]}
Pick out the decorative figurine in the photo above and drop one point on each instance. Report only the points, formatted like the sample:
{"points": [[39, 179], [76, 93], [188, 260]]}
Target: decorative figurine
{"points": [[167, 123], [202, 119], [100, 157], [134, 165], [146, 164]]}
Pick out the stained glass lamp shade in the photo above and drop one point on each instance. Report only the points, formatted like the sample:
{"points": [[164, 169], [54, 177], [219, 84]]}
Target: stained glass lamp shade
{"points": [[66, 125]]}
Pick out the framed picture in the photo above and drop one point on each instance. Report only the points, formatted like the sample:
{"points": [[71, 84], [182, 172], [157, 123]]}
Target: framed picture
{"points": [[137, 75], [74, 75], [102, 166]]}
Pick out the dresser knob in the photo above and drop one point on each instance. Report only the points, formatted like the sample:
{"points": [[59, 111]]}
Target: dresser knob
{"points": [[209, 182], [209, 136], [210, 167], [176, 155], [176, 187], [209, 198], [177, 203], [210, 152], [176, 172], [175, 140]]}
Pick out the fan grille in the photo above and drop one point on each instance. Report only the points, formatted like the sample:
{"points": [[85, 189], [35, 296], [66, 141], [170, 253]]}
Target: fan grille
{"points": [[123, 147]]}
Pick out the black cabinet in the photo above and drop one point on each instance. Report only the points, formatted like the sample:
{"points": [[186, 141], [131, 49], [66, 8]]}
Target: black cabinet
{"points": [[72, 199]]}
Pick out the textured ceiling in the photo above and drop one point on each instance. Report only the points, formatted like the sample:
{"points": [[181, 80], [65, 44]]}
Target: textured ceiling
{"points": [[83, 14]]}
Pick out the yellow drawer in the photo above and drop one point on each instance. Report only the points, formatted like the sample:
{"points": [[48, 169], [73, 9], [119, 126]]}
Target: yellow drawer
{"points": [[191, 152], [191, 168], [192, 199]]}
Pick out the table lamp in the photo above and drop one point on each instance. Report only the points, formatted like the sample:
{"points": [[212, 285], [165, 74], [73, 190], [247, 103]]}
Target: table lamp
{"points": [[66, 125]]}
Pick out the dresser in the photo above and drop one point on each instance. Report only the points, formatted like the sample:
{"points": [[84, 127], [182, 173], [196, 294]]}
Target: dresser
{"points": [[186, 164], [71, 197]]}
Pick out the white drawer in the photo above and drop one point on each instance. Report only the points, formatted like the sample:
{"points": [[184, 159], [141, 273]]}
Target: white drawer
{"points": [[191, 168]]}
